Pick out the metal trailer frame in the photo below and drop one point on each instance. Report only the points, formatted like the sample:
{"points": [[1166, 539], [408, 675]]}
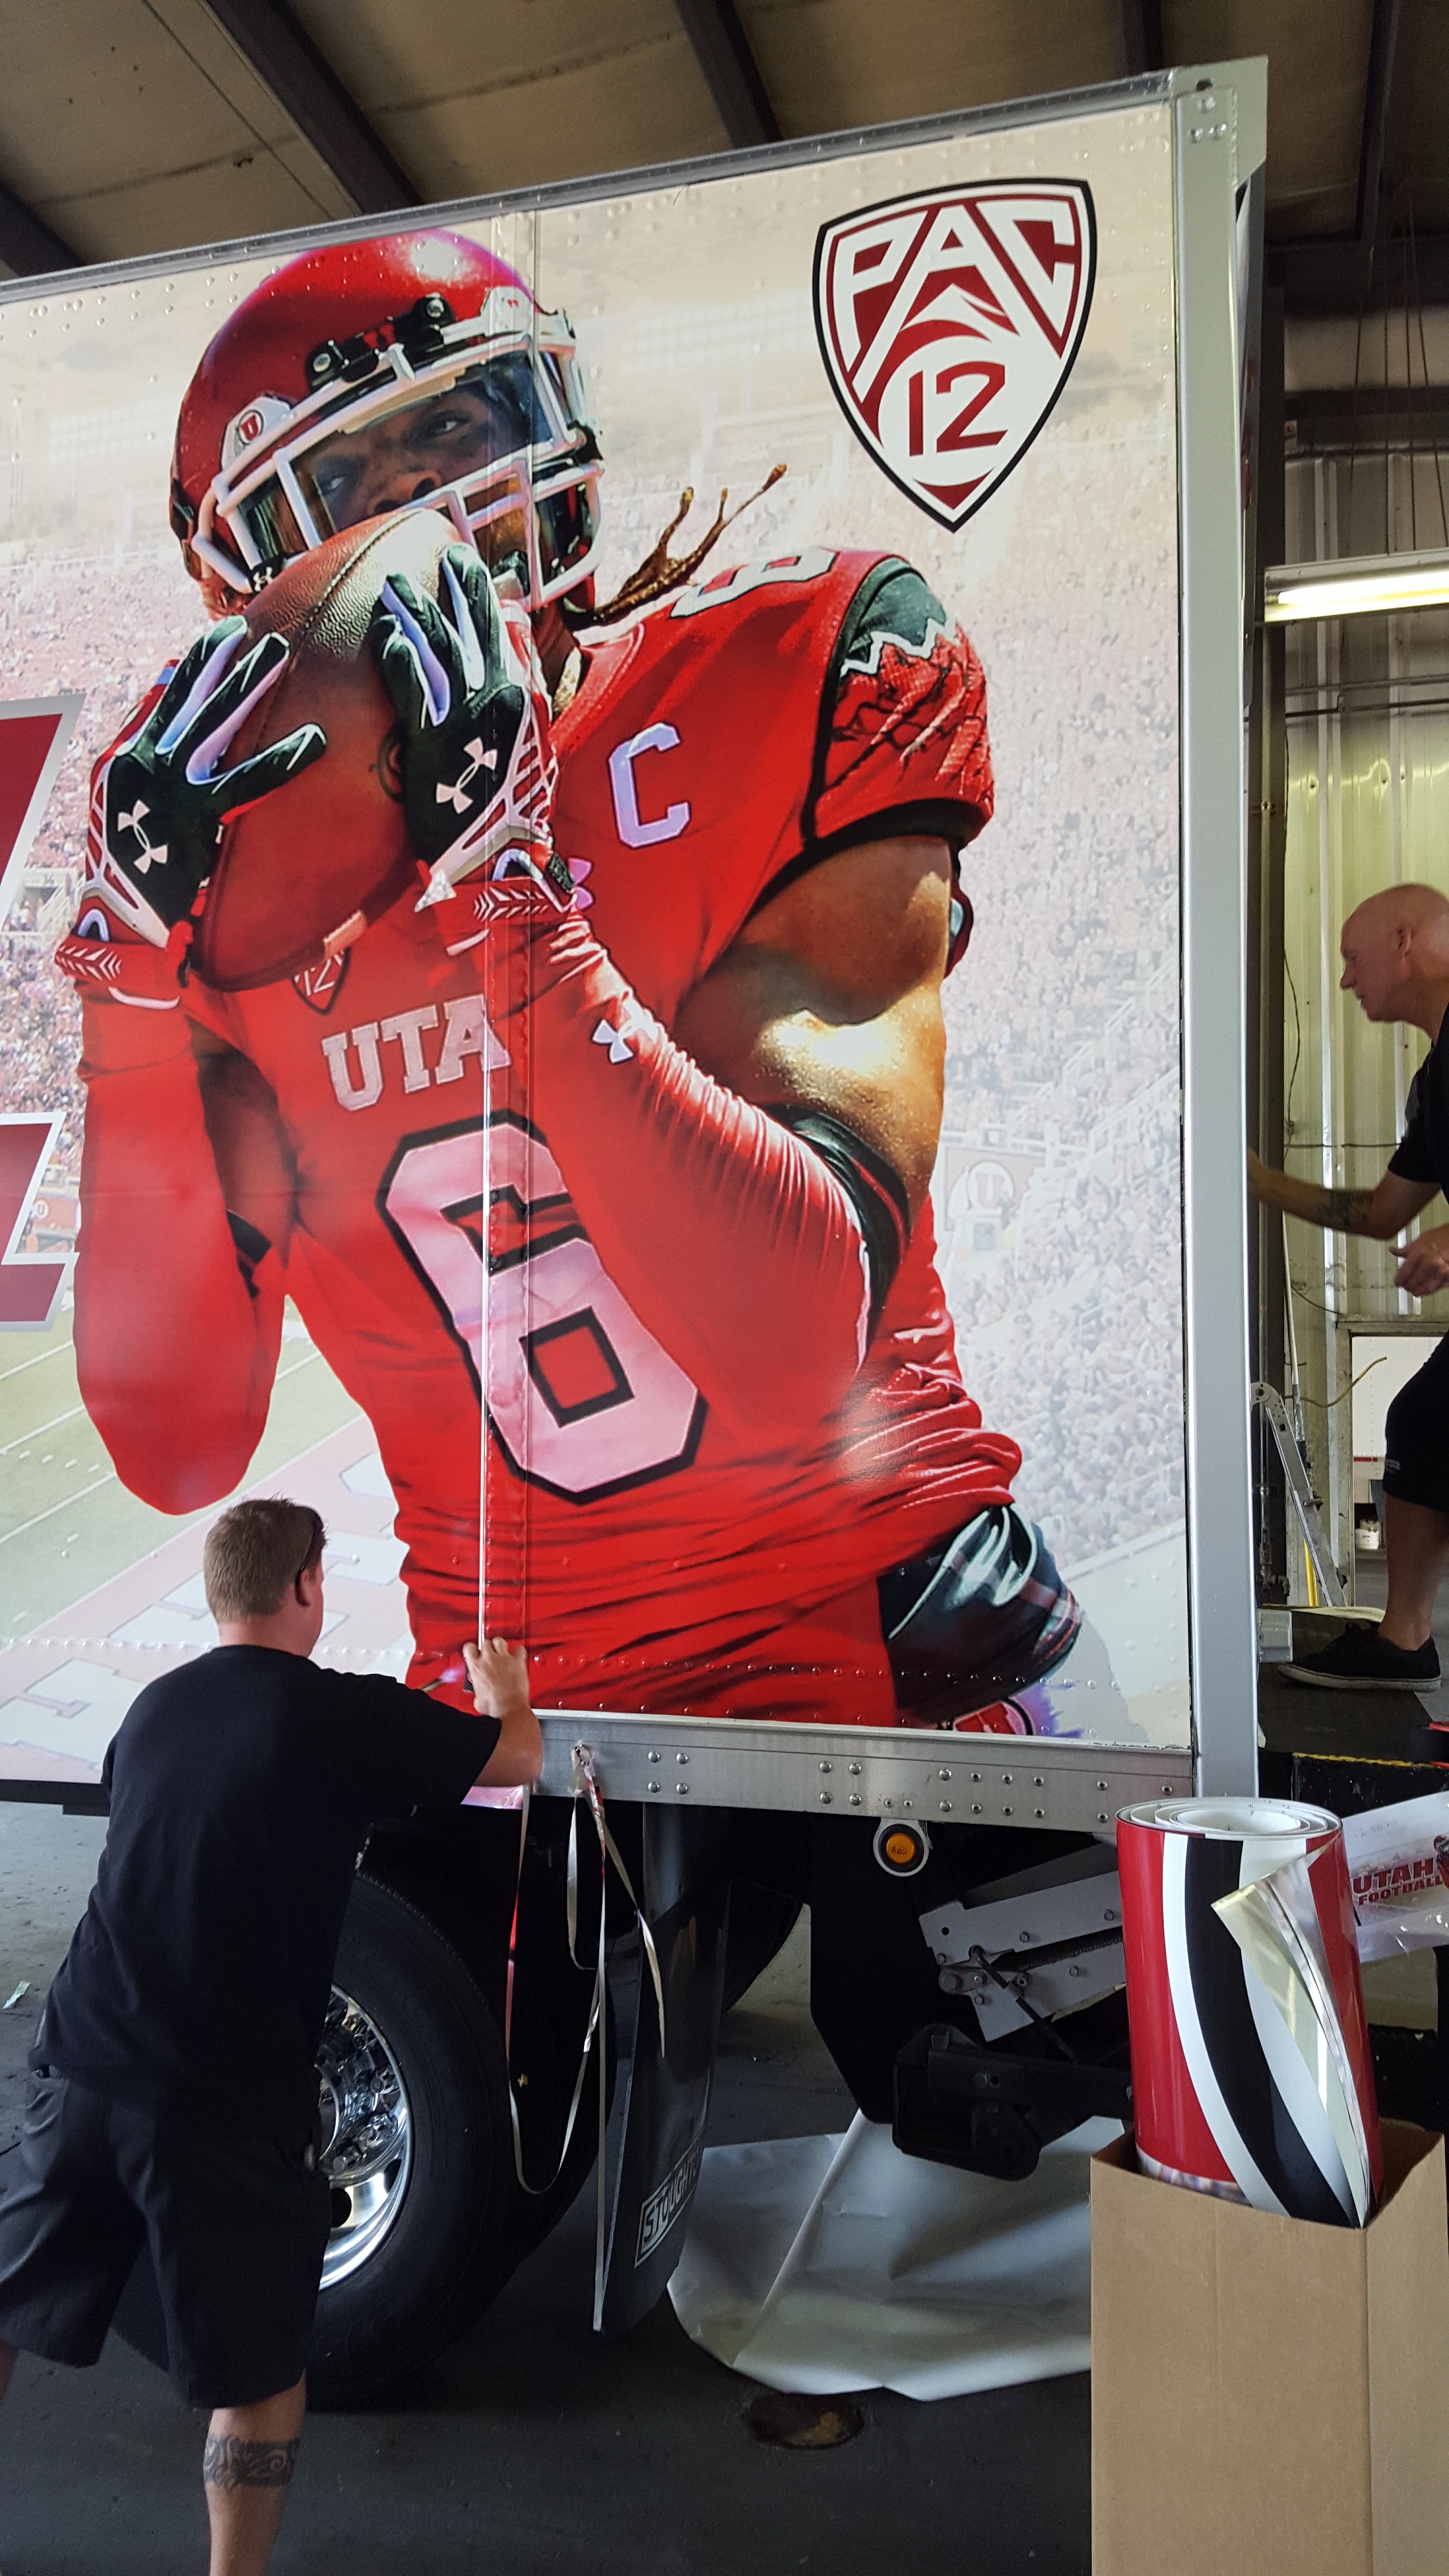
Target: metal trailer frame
{"points": [[1219, 115]]}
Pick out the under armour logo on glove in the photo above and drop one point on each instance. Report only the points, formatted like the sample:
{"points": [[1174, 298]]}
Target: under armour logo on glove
{"points": [[478, 773], [457, 795], [147, 853]]}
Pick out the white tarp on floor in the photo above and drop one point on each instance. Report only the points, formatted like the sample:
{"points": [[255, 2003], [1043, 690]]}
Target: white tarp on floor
{"points": [[824, 2264]]}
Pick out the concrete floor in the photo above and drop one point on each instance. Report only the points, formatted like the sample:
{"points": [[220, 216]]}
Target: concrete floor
{"points": [[532, 2445]]}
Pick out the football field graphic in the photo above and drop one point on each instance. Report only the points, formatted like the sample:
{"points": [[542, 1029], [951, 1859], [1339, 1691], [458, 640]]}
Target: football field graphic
{"points": [[73, 1663], [931, 358]]}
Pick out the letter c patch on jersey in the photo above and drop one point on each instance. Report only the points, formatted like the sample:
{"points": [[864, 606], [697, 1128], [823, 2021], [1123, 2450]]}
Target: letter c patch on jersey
{"points": [[630, 824]]}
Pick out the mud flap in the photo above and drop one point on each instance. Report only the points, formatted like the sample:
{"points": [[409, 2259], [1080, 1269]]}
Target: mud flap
{"points": [[662, 2096]]}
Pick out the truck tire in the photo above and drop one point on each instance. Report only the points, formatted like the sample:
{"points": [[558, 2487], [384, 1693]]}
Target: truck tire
{"points": [[761, 1922], [420, 2156]]}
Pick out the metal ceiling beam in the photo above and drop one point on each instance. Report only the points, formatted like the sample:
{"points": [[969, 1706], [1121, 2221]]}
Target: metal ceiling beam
{"points": [[1327, 420], [302, 81], [1347, 271], [1140, 37], [27, 244], [1333, 276], [1393, 57], [722, 51]]}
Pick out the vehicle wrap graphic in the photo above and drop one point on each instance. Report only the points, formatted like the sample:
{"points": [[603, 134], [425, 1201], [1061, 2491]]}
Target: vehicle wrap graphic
{"points": [[732, 1241]]}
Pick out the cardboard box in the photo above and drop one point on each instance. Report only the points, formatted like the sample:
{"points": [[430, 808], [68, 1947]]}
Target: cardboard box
{"points": [[1270, 2397]]}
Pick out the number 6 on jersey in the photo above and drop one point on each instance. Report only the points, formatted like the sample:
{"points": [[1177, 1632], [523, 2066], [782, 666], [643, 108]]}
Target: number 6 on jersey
{"points": [[580, 1396]]}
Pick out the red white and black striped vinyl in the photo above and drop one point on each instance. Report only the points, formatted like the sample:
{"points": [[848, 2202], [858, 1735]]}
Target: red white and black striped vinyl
{"points": [[1254, 2085]]}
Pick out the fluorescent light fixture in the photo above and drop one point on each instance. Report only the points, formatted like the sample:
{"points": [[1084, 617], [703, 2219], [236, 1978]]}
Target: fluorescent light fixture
{"points": [[1355, 585]]}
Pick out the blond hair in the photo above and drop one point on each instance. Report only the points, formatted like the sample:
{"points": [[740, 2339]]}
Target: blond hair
{"points": [[255, 1553]]}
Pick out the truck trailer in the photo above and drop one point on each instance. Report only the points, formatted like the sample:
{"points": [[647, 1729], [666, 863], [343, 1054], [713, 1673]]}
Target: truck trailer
{"points": [[813, 1317]]}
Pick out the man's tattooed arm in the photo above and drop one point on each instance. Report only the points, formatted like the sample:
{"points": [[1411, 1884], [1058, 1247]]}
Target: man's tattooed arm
{"points": [[227, 2462], [1379, 1213], [1347, 1211]]}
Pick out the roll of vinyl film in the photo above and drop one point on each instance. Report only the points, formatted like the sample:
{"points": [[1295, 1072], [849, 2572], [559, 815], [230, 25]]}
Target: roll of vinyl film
{"points": [[1251, 2074]]}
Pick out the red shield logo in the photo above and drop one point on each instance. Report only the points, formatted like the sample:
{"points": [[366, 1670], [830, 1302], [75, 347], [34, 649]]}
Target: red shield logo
{"points": [[949, 324]]}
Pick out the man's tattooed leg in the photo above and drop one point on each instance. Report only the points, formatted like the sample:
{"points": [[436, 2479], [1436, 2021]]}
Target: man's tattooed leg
{"points": [[227, 2462]]}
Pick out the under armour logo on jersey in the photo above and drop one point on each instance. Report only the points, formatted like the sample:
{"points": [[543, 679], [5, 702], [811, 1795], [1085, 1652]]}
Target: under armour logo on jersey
{"points": [[457, 795], [632, 1023], [620, 1052], [151, 852]]}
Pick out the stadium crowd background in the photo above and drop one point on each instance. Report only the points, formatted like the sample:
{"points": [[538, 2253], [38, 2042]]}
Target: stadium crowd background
{"points": [[1063, 1041], [71, 622]]}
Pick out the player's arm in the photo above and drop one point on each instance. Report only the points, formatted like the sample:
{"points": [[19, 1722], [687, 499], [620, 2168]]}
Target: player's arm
{"points": [[751, 1179], [810, 1059], [1380, 1213], [177, 1319], [178, 1316], [830, 1000]]}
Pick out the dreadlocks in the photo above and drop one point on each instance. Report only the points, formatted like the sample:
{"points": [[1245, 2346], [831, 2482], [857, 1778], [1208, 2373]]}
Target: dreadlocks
{"points": [[661, 572]]}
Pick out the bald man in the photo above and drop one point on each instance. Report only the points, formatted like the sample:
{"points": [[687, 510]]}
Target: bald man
{"points": [[1395, 952]]}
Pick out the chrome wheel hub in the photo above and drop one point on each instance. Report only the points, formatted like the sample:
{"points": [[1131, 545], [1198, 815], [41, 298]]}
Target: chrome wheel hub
{"points": [[367, 2146]]}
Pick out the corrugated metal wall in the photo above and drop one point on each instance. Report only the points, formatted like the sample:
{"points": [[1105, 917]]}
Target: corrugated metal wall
{"points": [[1368, 805]]}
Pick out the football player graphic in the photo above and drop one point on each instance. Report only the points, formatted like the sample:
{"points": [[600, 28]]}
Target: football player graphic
{"points": [[596, 1155]]}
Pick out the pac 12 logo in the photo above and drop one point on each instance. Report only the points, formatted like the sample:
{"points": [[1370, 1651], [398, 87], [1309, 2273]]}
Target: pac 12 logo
{"points": [[949, 324]]}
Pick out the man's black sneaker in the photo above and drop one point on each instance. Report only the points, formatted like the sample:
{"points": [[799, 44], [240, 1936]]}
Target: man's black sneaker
{"points": [[1360, 1659]]}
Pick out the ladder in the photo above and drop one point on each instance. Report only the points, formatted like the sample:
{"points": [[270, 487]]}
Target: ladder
{"points": [[1315, 1536]]}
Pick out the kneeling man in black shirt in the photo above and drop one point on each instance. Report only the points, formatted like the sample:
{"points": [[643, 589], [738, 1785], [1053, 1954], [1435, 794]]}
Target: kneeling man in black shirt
{"points": [[173, 2086]]}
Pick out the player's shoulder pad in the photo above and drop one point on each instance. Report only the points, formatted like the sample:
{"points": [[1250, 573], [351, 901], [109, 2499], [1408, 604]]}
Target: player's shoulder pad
{"points": [[892, 604]]}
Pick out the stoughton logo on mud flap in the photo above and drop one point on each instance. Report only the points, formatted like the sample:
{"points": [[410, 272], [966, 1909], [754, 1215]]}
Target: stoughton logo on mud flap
{"points": [[669, 2202], [949, 324]]}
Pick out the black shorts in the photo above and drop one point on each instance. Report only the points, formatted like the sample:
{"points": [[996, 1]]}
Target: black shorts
{"points": [[982, 1613], [1416, 1436], [237, 2230]]}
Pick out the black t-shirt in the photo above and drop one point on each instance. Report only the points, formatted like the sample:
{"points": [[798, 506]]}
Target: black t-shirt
{"points": [[242, 1788], [1424, 1153]]}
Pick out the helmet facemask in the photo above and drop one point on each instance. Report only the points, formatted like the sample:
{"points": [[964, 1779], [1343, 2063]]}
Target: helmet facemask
{"points": [[514, 452]]}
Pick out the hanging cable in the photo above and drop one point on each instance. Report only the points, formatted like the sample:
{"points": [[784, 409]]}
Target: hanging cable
{"points": [[1409, 402], [1388, 539], [1353, 404], [1297, 1049], [1424, 363]]}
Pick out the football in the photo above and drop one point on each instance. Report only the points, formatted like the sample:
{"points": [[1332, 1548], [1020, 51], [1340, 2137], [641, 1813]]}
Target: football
{"points": [[332, 844]]}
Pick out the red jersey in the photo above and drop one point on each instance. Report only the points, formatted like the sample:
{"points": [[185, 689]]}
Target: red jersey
{"points": [[649, 1552]]}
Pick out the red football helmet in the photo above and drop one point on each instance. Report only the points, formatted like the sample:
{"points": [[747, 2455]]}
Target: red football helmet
{"points": [[413, 371]]}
